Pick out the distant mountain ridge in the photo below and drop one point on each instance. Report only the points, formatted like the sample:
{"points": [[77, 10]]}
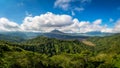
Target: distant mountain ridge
{"points": [[56, 31], [61, 35], [98, 33], [11, 38], [21, 36]]}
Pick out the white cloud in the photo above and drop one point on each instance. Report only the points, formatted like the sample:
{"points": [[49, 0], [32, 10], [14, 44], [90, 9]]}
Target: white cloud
{"points": [[49, 21], [46, 22], [6, 25], [70, 5], [86, 26], [64, 4], [97, 22], [117, 26]]}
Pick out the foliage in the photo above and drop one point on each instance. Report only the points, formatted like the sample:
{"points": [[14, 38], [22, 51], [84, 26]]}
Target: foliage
{"points": [[43, 52]]}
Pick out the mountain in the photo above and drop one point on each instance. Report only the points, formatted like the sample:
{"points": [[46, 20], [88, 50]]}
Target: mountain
{"points": [[15, 33], [11, 38], [60, 35], [56, 32], [20, 36], [24, 35], [17, 36], [98, 33], [92, 34], [31, 35]]}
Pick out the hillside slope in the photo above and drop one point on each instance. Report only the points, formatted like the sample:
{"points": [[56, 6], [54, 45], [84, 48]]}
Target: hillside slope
{"points": [[43, 52], [54, 46]]}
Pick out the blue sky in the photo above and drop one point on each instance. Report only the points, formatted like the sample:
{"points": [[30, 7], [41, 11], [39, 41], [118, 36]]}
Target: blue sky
{"points": [[84, 10]]}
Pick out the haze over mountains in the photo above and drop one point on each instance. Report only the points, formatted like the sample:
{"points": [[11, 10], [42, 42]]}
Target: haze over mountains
{"points": [[19, 36]]}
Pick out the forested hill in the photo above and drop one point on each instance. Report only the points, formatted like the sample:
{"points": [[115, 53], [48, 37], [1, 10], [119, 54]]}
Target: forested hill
{"points": [[52, 46], [107, 44], [11, 38], [43, 52]]}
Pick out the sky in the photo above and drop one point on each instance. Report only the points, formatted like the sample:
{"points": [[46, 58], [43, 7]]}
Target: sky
{"points": [[71, 16]]}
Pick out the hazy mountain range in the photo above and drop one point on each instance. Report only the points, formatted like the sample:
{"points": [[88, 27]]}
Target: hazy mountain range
{"points": [[19, 36]]}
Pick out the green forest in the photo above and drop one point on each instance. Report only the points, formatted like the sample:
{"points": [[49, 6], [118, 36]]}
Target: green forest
{"points": [[43, 52]]}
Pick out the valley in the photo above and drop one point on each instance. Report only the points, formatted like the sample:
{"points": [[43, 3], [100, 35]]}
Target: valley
{"points": [[48, 52]]}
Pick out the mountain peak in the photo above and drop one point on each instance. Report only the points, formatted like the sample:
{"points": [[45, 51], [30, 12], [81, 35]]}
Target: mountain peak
{"points": [[56, 31]]}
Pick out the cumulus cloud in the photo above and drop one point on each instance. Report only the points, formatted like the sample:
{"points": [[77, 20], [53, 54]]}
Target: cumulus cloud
{"points": [[49, 21], [97, 22], [6, 25], [46, 22], [86, 26], [117, 27]]}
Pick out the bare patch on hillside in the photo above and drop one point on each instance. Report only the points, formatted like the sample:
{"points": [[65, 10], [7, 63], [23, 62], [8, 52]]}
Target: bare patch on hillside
{"points": [[88, 43]]}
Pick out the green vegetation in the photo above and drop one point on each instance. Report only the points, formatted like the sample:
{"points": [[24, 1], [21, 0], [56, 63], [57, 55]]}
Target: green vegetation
{"points": [[43, 52]]}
